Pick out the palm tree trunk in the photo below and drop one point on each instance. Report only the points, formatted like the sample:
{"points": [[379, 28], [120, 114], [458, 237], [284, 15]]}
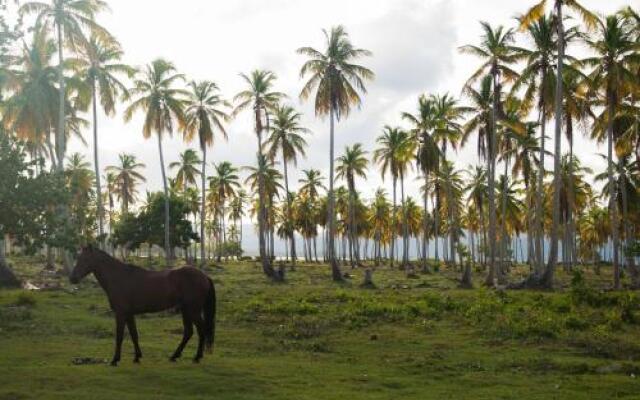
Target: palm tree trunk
{"points": [[539, 270], [167, 220], [203, 211], [100, 208], [60, 133], [635, 276], [289, 215], [405, 231], [393, 223], [547, 280], [613, 204], [425, 225], [331, 220], [436, 217], [492, 186], [503, 220]]}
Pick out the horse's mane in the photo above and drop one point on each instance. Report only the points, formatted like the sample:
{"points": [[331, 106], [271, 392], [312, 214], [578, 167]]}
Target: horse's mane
{"points": [[114, 262]]}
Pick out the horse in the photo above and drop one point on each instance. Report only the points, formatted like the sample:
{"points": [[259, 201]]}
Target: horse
{"points": [[132, 290]]}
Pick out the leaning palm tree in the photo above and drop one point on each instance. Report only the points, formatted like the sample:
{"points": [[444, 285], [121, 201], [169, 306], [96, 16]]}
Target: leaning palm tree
{"points": [[286, 138], [187, 169], [100, 69], [338, 84], [497, 51], [535, 13], [262, 99], [609, 82], [204, 113], [71, 19], [353, 163], [125, 177], [155, 95]]}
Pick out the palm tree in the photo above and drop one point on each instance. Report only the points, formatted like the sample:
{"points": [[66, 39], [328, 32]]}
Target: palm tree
{"points": [[286, 138], [353, 163], [31, 110], [423, 125], [99, 67], [497, 51], [225, 182], [535, 13], [477, 196], [126, 176], [204, 113], [155, 95], [338, 84], [70, 18], [262, 99], [187, 169], [609, 82], [395, 150]]}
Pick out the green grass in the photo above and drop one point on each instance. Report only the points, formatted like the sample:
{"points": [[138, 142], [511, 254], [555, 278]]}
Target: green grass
{"points": [[310, 338]]}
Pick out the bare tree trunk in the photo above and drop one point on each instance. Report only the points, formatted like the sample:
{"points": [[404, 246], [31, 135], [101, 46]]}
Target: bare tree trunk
{"points": [[612, 190], [7, 277], [492, 185], [547, 279], [331, 220], [100, 208], [203, 202], [167, 243]]}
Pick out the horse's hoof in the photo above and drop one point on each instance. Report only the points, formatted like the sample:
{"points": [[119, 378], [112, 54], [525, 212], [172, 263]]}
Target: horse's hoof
{"points": [[136, 361], [114, 363], [173, 359], [196, 361]]}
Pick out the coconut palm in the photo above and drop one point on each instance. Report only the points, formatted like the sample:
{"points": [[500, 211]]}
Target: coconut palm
{"points": [[225, 182], [395, 150], [535, 13], [71, 19], [99, 67], [286, 138], [126, 176], [338, 84], [353, 163], [423, 124], [262, 99], [205, 112], [610, 81], [187, 169], [498, 53], [155, 94]]}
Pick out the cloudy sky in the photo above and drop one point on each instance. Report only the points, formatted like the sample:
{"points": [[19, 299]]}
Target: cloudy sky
{"points": [[414, 43]]}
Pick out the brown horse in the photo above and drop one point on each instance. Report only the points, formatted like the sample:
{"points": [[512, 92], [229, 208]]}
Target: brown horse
{"points": [[132, 290]]}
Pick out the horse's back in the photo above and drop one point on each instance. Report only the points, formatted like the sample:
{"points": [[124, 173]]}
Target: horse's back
{"points": [[191, 284]]}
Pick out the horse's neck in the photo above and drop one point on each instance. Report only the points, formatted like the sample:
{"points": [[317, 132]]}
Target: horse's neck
{"points": [[107, 270]]}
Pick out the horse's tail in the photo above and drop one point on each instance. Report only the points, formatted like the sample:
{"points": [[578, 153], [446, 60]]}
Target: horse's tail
{"points": [[210, 316]]}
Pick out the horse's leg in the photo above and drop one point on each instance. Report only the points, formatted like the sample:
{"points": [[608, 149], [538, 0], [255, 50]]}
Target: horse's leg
{"points": [[187, 333], [133, 332], [199, 322], [120, 319]]}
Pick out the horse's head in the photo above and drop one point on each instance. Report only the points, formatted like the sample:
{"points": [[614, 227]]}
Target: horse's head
{"points": [[84, 264]]}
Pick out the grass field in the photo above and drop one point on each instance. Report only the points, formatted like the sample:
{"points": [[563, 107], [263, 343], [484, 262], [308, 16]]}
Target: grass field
{"points": [[310, 338]]}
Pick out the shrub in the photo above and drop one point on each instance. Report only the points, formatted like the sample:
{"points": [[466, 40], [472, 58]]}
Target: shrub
{"points": [[25, 299]]}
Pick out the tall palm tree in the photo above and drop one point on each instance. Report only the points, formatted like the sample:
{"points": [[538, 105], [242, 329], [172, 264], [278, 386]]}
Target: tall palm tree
{"points": [[396, 149], [448, 131], [353, 163], [155, 94], [126, 176], [204, 113], [423, 125], [263, 100], [71, 19], [610, 81], [338, 84], [187, 169], [225, 182], [535, 13], [498, 53], [100, 69], [286, 138]]}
